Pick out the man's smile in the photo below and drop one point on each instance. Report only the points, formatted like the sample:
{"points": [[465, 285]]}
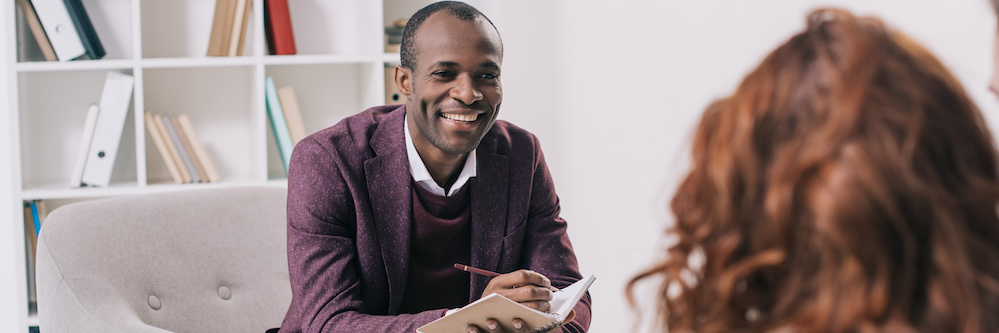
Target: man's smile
{"points": [[458, 117]]}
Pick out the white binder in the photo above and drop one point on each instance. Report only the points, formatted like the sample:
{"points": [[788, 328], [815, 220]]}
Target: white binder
{"points": [[59, 28], [107, 133], [88, 137]]}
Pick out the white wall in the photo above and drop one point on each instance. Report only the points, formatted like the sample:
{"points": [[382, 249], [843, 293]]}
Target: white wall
{"points": [[614, 88]]}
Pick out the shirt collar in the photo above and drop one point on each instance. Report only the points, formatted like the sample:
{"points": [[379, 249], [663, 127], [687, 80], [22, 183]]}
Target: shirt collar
{"points": [[422, 176]]}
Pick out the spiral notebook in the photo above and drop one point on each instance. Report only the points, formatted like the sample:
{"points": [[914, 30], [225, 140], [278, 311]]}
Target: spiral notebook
{"points": [[504, 310]]}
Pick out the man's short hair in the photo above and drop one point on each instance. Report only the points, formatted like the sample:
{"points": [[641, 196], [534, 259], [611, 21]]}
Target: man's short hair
{"points": [[457, 9]]}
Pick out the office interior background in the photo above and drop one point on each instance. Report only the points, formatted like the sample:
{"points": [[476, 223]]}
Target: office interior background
{"points": [[613, 90]]}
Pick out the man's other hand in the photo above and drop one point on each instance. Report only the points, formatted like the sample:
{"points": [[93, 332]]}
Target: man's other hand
{"points": [[523, 286]]}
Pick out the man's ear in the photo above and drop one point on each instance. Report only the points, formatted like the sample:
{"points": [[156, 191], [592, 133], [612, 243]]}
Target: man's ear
{"points": [[404, 80]]}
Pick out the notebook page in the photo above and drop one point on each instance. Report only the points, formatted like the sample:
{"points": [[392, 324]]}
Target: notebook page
{"points": [[564, 300]]}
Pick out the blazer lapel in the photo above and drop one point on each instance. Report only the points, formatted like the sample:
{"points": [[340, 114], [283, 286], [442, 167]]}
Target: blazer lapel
{"points": [[390, 194], [489, 204]]}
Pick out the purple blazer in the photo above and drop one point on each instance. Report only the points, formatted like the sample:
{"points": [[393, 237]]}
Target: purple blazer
{"points": [[350, 211]]}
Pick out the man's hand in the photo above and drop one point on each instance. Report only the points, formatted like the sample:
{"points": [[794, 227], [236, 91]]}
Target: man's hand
{"points": [[493, 326], [523, 286]]}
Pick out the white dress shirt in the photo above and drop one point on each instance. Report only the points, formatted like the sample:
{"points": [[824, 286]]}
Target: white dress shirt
{"points": [[422, 176]]}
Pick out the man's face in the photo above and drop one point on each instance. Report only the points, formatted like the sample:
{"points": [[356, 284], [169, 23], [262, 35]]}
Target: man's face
{"points": [[454, 91]]}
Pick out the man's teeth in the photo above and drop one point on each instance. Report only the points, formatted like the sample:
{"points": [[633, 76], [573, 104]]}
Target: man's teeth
{"points": [[460, 117]]}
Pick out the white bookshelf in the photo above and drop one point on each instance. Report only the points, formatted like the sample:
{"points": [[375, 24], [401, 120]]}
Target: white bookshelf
{"points": [[338, 71]]}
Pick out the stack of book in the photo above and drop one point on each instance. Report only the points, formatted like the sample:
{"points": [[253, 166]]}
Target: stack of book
{"points": [[393, 35], [182, 151], [62, 29], [229, 27], [285, 118]]}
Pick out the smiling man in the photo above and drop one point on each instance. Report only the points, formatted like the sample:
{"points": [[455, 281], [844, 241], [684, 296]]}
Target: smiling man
{"points": [[382, 204]]}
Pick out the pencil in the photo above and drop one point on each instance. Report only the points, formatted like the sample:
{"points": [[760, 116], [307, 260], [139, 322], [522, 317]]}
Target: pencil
{"points": [[476, 270], [480, 271]]}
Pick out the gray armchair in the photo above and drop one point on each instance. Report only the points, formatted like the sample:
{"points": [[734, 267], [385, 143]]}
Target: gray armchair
{"points": [[203, 260]]}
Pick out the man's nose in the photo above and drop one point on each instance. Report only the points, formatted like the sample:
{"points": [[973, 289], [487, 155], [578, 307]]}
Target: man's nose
{"points": [[464, 90]]}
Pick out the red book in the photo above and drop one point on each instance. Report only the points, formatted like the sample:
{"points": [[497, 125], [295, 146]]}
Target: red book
{"points": [[277, 23]]}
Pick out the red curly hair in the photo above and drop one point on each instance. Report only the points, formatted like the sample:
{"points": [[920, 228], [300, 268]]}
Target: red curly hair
{"points": [[848, 185]]}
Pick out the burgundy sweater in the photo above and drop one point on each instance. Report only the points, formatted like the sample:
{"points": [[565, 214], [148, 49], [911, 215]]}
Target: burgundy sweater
{"points": [[441, 237]]}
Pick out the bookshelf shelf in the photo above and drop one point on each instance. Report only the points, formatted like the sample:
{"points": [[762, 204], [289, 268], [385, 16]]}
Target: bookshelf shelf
{"points": [[320, 59], [53, 191], [197, 62], [61, 192], [51, 66]]}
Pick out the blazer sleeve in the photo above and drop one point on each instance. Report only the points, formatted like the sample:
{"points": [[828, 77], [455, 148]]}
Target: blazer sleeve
{"points": [[547, 249], [324, 269]]}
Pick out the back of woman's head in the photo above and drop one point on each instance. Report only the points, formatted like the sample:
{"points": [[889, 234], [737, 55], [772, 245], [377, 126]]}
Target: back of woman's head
{"points": [[848, 185]]}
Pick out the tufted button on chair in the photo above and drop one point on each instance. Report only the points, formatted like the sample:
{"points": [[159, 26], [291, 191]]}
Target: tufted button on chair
{"points": [[201, 260]]}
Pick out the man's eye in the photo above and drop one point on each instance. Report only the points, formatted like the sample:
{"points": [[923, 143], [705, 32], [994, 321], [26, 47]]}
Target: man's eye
{"points": [[489, 76], [443, 74]]}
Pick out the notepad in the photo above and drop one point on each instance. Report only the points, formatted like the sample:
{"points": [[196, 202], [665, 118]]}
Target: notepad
{"points": [[504, 310]]}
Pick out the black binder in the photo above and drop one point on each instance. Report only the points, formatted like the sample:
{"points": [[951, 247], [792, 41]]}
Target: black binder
{"points": [[85, 29]]}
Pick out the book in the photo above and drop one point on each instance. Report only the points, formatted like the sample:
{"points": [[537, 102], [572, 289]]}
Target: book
{"points": [[278, 125], [218, 43], [76, 180], [88, 36], [393, 35], [215, 38], [246, 23], [43, 213], [29, 228], [174, 153], [277, 24], [504, 310], [187, 128], [31, 223], [154, 132], [30, 248], [59, 29], [186, 142], [38, 214], [292, 115], [185, 158], [31, 18], [115, 99], [35, 213], [238, 28]]}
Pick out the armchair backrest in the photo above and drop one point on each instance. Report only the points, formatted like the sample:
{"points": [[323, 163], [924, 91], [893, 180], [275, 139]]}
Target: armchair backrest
{"points": [[201, 260]]}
